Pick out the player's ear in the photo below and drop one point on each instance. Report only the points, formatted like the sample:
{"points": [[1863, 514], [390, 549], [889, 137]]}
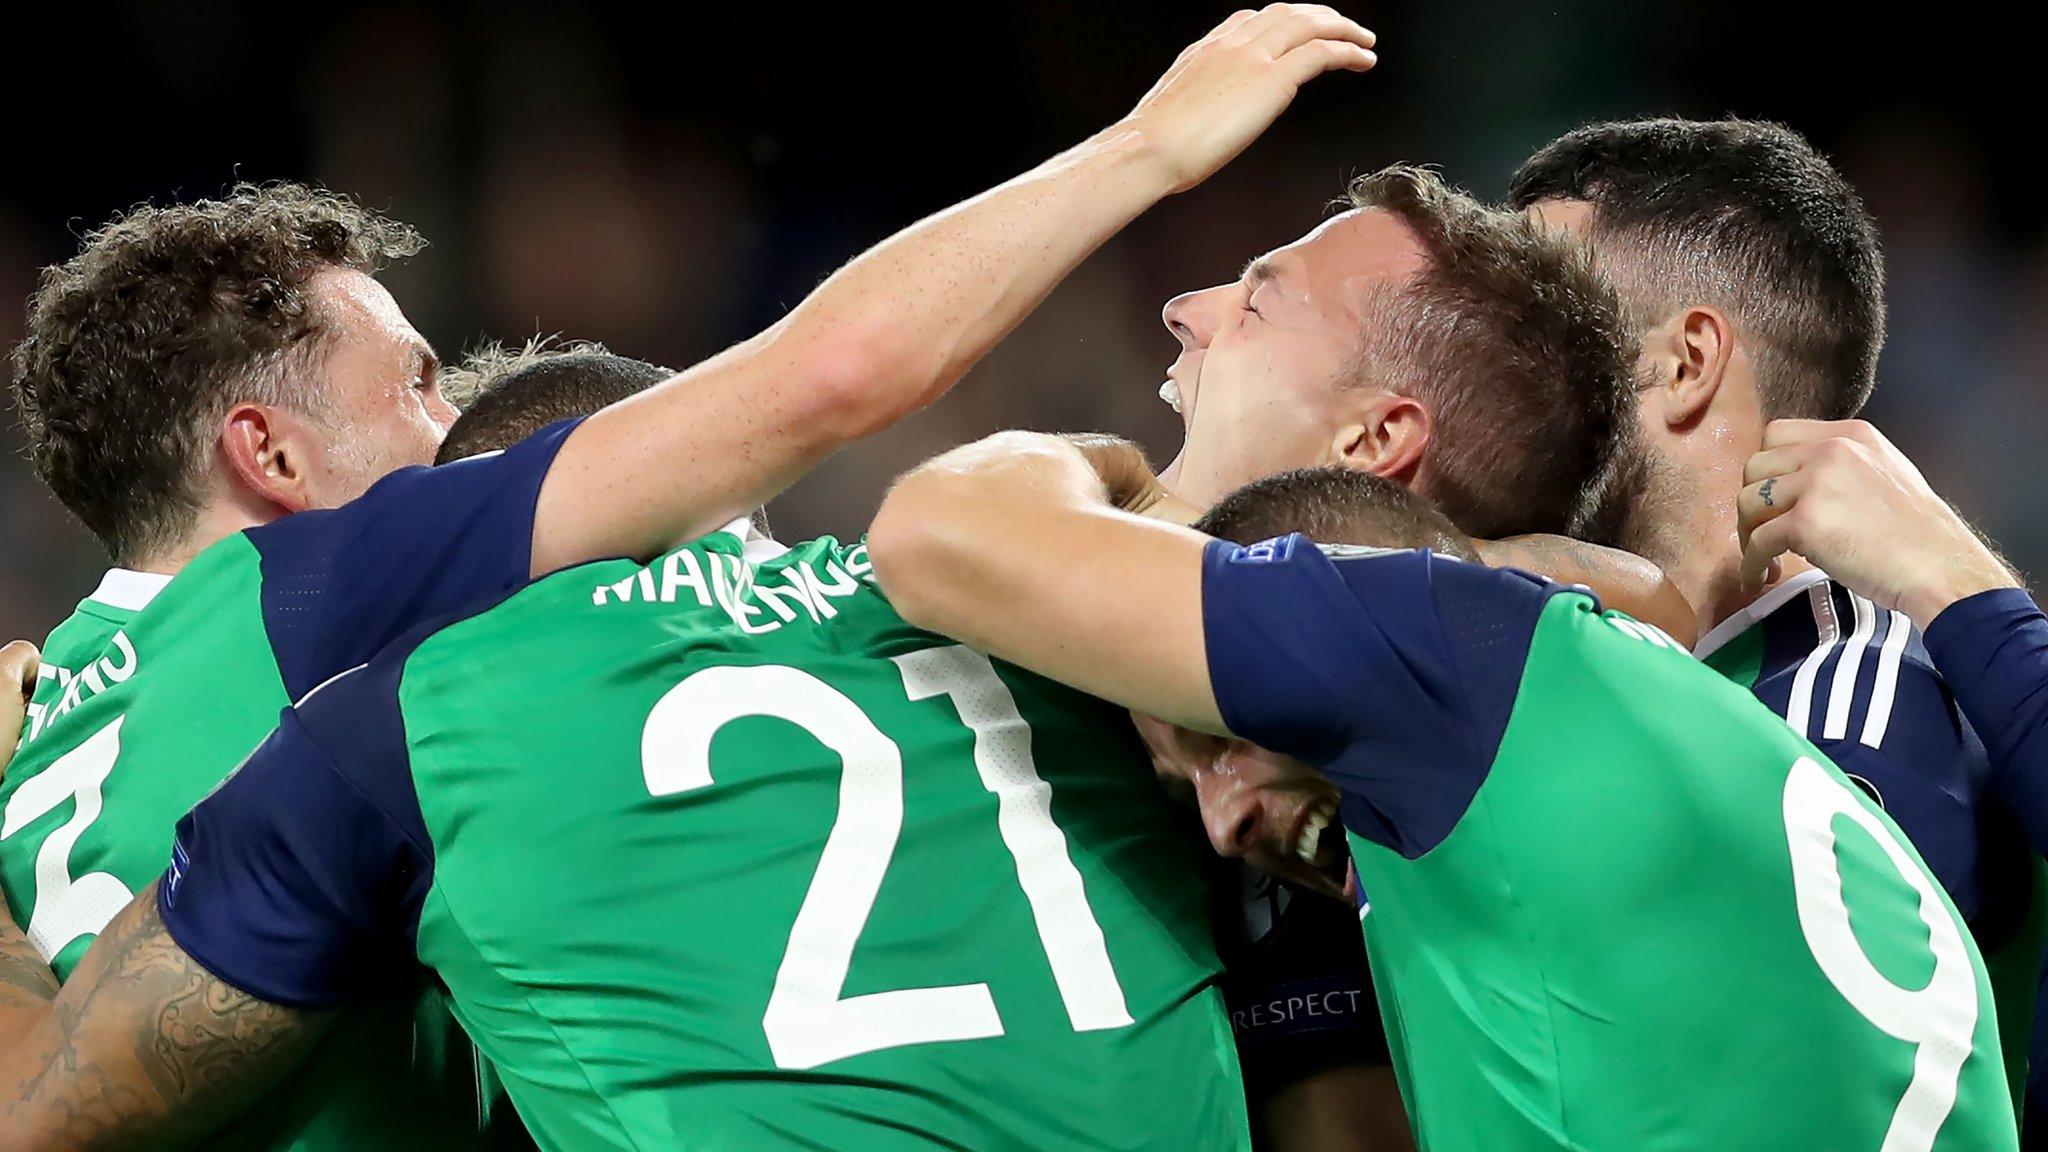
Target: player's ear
{"points": [[1388, 436], [268, 452], [1688, 357]]}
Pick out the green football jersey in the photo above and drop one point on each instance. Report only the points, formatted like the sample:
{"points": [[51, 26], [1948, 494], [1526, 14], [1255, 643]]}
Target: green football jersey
{"points": [[1614, 904], [1856, 680], [154, 690], [141, 711], [719, 853]]}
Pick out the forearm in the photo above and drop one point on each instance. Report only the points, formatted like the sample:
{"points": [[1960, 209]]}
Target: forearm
{"points": [[940, 540], [26, 983], [1011, 546], [895, 328], [1973, 566], [1992, 651], [142, 1048], [1623, 581], [913, 314], [886, 335]]}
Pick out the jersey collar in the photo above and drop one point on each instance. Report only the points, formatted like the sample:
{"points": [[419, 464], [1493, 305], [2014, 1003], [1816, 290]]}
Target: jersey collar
{"points": [[1758, 609], [129, 590]]}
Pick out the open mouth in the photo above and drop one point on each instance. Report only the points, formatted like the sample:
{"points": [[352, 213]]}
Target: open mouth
{"points": [[1178, 395], [1319, 843]]}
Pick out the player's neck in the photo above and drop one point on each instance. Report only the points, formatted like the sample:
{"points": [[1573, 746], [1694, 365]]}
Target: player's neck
{"points": [[217, 521], [1705, 566], [1702, 552]]}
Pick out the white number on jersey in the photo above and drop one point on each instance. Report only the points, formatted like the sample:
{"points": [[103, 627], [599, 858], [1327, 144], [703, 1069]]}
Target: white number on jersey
{"points": [[68, 907], [1940, 1020], [808, 1021]]}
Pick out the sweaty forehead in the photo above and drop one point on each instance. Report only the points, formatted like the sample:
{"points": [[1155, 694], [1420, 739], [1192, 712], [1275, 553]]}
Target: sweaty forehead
{"points": [[1349, 254], [356, 309]]}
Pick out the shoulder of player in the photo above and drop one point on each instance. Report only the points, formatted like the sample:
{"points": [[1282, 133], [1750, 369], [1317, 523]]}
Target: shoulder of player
{"points": [[1837, 666], [356, 717], [188, 624]]}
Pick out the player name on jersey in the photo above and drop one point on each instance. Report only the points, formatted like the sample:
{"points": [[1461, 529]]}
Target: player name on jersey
{"points": [[115, 667], [799, 590]]}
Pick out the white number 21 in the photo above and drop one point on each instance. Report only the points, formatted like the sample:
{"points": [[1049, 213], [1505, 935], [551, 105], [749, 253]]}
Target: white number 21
{"points": [[808, 1022]]}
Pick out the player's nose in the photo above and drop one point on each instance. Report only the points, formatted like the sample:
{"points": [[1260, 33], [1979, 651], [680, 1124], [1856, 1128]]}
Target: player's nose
{"points": [[1191, 318], [1232, 812]]}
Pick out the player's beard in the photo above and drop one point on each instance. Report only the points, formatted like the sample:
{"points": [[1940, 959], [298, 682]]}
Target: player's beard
{"points": [[1626, 506]]}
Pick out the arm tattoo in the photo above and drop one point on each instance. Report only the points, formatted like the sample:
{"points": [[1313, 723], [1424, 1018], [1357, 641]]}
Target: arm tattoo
{"points": [[145, 1047], [209, 1036], [25, 981]]}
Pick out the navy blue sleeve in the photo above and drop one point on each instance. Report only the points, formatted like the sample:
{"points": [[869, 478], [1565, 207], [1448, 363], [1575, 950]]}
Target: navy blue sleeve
{"points": [[1931, 801], [1393, 672], [1992, 649], [300, 879], [339, 584]]}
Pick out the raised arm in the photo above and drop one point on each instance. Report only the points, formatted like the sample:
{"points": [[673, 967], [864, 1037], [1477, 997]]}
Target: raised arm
{"points": [[143, 1048], [893, 330]]}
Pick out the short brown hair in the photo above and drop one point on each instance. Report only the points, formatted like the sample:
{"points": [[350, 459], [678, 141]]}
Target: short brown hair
{"points": [[1744, 215], [1334, 506], [168, 317], [508, 394], [1516, 345]]}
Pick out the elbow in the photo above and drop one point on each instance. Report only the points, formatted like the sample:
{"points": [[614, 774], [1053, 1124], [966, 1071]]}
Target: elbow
{"points": [[858, 380]]}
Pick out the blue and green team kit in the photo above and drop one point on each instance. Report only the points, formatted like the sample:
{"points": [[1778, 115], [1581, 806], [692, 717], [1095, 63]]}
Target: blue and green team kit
{"points": [[1991, 650], [719, 853], [1615, 903], [157, 687], [1857, 680]]}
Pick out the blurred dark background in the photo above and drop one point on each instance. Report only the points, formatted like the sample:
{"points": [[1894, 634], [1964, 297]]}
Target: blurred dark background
{"points": [[670, 179]]}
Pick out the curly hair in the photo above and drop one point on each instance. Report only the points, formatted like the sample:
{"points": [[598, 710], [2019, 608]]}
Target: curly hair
{"points": [[167, 318], [1518, 348]]}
